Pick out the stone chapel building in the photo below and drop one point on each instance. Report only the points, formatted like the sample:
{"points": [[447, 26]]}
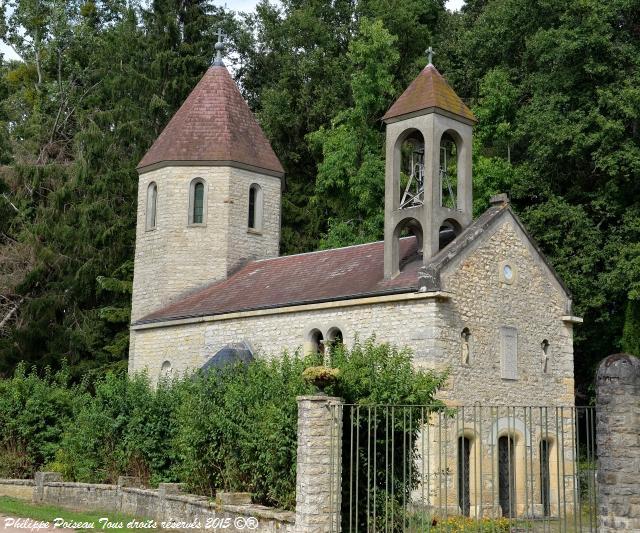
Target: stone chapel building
{"points": [[476, 297]]}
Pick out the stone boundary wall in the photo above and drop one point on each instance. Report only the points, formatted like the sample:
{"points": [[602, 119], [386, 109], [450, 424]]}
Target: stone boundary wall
{"points": [[618, 443], [167, 503]]}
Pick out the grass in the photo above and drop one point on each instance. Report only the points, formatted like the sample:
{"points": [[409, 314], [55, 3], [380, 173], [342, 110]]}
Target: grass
{"points": [[11, 507]]}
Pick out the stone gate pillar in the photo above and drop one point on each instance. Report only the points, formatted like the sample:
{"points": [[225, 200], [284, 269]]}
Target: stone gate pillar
{"points": [[618, 442], [319, 464]]}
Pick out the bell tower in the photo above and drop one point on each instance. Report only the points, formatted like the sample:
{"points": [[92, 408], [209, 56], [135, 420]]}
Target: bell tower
{"points": [[428, 186]]}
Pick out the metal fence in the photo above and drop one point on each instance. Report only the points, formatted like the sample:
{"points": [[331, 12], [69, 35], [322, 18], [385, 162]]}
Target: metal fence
{"points": [[473, 468]]}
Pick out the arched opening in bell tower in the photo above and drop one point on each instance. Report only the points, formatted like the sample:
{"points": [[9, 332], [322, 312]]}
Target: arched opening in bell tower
{"points": [[409, 250], [449, 230], [448, 169], [411, 179]]}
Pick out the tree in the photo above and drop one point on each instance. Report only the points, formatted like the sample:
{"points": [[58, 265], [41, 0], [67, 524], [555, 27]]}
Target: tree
{"points": [[350, 180]]}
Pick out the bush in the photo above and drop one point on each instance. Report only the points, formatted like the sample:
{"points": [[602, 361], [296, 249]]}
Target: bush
{"points": [[233, 429], [123, 428], [381, 375], [244, 437], [34, 413]]}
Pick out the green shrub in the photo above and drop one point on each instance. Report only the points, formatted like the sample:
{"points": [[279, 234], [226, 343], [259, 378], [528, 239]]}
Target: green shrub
{"points": [[375, 377], [233, 429], [34, 413], [123, 428], [244, 436]]}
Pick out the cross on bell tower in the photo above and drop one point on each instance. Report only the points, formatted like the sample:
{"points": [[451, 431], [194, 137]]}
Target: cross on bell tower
{"points": [[428, 189]]}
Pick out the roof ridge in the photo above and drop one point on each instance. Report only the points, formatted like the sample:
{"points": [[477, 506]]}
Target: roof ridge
{"points": [[322, 251]]}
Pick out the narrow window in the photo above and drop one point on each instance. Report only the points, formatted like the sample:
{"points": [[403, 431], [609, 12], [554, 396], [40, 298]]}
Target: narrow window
{"points": [[545, 485], [448, 172], [464, 454], [254, 221], [152, 200], [317, 341], [545, 356], [506, 476], [165, 370], [198, 203], [466, 349]]}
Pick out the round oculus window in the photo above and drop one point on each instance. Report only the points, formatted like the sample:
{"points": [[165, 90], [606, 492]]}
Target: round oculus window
{"points": [[507, 272]]}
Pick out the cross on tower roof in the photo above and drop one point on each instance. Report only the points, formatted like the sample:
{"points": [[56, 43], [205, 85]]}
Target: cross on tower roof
{"points": [[430, 53], [219, 48]]}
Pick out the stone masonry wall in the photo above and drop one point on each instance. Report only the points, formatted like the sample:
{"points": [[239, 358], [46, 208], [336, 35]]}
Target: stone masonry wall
{"points": [[534, 304], [618, 443], [189, 346], [176, 257], [182, 512]]}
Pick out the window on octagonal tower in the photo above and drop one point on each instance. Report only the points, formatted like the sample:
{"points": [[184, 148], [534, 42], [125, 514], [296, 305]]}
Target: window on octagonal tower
{"points": [[152, 200], [254, 221], [197, 201]]}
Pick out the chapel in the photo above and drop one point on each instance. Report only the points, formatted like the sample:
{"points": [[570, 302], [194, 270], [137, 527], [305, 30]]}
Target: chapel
{"points": [[474, 297]]}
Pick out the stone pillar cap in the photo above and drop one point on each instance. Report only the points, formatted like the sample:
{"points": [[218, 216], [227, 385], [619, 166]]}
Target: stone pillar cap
{"points": [[499, 199], [620, 367]]}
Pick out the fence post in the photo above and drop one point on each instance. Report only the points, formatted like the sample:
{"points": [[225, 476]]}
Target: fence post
{"points": [[319, 464], [618, 443]]}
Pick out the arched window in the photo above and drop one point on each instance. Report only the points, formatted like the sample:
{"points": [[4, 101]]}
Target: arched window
{"points": [[197, 202], [506, 475], [464, 486], [545, 477], [410, 250], [411, 178], [317, 341], [152, 201], [255, 207], [334, 339], [545, 356], [165, 370]]}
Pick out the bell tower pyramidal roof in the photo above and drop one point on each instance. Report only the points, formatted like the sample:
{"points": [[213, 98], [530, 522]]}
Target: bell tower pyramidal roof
{"points": [[428, 91], [214, 126]]}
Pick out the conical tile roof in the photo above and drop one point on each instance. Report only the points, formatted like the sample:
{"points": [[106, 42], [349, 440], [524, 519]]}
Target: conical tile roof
{"points": [[213, 125], [429, 90]]}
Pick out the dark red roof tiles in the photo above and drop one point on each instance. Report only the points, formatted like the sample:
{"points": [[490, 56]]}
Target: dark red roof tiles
{"points": [[214, 124], [429, 89], [327, 275]]}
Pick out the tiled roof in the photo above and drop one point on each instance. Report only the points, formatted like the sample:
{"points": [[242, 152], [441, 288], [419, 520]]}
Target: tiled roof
{"points": [[341, 273], [428, 90], [328, 275], [214, 124]]}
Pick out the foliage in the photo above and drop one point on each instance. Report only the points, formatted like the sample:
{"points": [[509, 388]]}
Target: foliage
{"points": [[245, 437], [121, 428], [463, 523], [554, 85], [320, 376], [378, 383], [232, 429], [34, 413]]}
